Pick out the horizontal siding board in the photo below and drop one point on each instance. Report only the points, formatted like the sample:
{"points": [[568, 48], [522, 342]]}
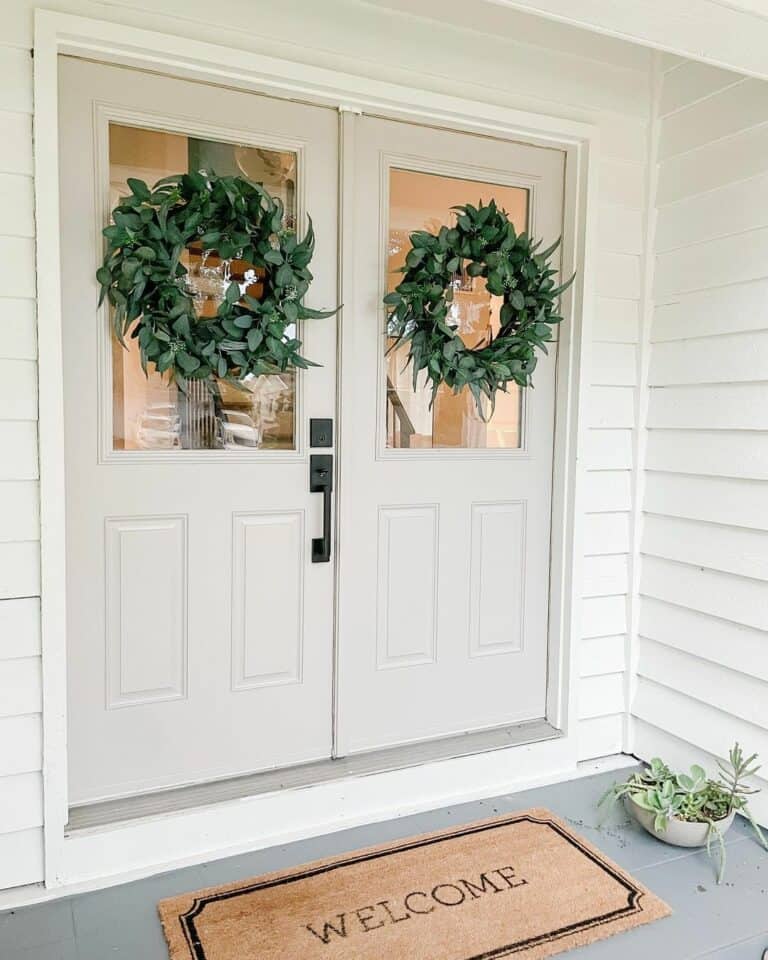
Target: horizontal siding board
{"points": [[732, 358], [720, 594], [18, 390], [18, 339], [721, 641], [18, 441], [697, 722], [19, 570], [709, 452], [20, 681], [620, 229], [731, 209], [16, 138], [727, 309], [623, 137], [16, 88], [735, 407], [19, 510], [603, 616], [608, 491], [613, 364], [622, 183], [19, 628], [724, 161], [724, 114], [601, 696], [17, 203], [17, 266], [693, 81], [605, 576], [21, 802], [21, 744], [619, 276], [21, 857], [600, 736], [730, 549], [606, 533], [609, 407], [740, 503], [602, 655], [713, 263], [737, 694], [616, 321], [609, 450]]}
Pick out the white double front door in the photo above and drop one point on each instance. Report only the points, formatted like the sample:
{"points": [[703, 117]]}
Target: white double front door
{"points": [[204, 640]]}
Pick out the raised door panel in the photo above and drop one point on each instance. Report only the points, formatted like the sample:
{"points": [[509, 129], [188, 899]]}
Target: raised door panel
{"points": [[146, 609]]}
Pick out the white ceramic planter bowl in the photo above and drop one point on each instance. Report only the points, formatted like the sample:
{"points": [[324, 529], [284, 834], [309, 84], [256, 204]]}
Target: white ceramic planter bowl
{"points": [[679, 833]]}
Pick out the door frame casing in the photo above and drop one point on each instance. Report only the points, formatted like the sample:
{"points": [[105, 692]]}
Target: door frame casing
{"points": [[130, 849]]}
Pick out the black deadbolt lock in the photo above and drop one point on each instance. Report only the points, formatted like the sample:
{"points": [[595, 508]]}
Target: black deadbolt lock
{"points": [[320, 433]]}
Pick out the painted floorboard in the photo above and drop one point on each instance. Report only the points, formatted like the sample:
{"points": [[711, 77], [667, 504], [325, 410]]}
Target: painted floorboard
{"points": [[710, 923]]}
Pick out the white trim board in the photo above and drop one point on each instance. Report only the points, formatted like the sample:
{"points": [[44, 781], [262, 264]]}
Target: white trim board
{"points": [[108, 856], [267, 819], [710, 31]]}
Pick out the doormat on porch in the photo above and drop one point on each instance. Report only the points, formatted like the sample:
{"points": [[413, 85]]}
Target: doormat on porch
{"points": [[522, 885]]}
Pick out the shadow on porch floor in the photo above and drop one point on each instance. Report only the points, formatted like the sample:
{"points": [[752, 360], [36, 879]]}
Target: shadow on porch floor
{"points": [[729, 922]]}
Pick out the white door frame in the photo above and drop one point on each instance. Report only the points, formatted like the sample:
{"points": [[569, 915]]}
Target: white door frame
{"points": [[143, 846]]}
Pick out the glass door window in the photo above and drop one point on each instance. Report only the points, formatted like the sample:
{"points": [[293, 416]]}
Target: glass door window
{"points": [[423, 201], [148, 412]]}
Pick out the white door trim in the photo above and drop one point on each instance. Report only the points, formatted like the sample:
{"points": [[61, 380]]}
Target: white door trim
{"points": [[384, 795]]}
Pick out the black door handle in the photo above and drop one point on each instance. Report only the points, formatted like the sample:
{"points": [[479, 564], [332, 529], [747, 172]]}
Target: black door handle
{"points": [[321, 481]]}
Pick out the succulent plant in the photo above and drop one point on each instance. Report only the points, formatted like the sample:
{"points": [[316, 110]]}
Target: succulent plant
{"points": [[693, 797]]}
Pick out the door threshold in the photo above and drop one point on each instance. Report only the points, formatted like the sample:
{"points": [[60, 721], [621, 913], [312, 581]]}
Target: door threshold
{"points": [[105, 812]]}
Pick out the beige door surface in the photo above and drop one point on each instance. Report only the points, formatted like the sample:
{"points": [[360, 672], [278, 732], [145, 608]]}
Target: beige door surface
{"points": [[200, 634], [445, 515]]}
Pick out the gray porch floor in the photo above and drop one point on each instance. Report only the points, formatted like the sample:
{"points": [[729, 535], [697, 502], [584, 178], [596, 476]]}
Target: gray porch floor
{"points": [[729, 922]]}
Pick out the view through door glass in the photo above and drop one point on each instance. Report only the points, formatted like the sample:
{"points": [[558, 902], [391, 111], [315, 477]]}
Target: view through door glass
{"points": [[423, 201], [148, 412]]}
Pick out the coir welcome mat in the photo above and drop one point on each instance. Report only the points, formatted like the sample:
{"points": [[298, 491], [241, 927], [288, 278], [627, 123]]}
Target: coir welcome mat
{"points": [[523, 885]]}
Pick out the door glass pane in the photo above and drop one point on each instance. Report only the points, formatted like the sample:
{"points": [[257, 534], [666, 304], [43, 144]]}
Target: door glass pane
{"points": [[423, 201], [148, 412]]}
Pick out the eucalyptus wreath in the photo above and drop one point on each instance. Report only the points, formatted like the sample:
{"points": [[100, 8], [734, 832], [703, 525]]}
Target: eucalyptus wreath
{"points": [[143, 278], [483, 243]]}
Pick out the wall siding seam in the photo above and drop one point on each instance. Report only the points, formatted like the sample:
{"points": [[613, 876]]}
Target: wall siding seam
{"points": [[707, 524], [658, 385], [702, 99], [707, 703], [645, 595], [703, 193], [703, 146], [739, 431], [695, 657], [692, 244], [703, 567]]}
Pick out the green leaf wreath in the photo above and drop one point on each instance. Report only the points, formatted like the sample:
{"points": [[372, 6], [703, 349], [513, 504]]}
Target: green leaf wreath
{"points": [[485, 244], [144, 280]]}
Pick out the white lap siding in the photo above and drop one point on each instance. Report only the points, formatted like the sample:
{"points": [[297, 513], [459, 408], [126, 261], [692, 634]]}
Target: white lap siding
{"points": [[703, 646], [20, 696], [504, 57]]}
